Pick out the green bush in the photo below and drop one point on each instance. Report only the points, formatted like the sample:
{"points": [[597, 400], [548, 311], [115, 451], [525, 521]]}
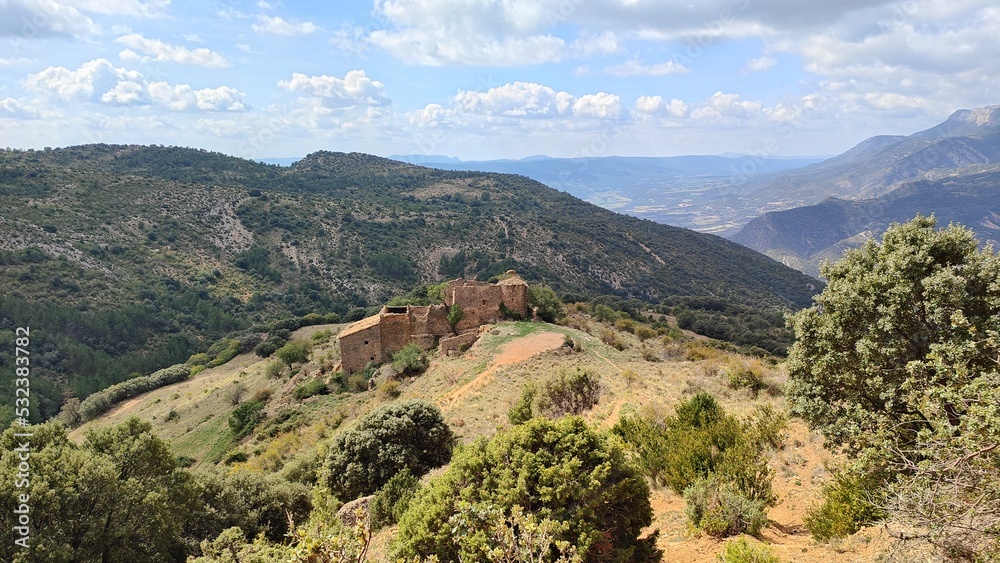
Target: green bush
{"points": [[392, 500], [274, 369], [569, 392], [699, 441], [848, 504], [98, 403], [744, 551], [560, 471], [310, 388], [295, 352], [410, 435], [244, 417], [410, 360], [612, 338], [718, 508], [744, 373], [522, 411], [546, 303]]}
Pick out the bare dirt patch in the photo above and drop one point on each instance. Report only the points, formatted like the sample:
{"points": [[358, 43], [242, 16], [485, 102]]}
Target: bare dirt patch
{"points": [[513, 352]]}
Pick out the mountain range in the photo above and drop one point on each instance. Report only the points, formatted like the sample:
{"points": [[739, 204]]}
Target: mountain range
{"points": [[126, 259], [680, 190], [951, 171]]}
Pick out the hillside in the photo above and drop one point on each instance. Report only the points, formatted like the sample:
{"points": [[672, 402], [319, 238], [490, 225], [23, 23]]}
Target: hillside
{"points": [[474, 391], [806, 236], [677, 190], [126, 259]]}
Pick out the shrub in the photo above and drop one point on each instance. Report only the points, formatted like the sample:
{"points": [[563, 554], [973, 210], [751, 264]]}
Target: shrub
{"points": [[310, 388], [743, 551], [392, 500], [269, 346], [625, 325], [261, 395], [295, 352], [698, 441], [235, 393], [522, 411], [411, 435], [649, 353], [390, 389], [455, 314], [645, 333], [570, 392], [357, 382], [562, 471], [611, 338], [849, 502], [97, 403], [410, 360], [546, 303], [720, 509], [744, 373], [274, 369], [244, 417]]}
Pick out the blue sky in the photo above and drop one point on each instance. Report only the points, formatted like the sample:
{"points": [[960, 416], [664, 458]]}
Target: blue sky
{"points": [[483, 79]]}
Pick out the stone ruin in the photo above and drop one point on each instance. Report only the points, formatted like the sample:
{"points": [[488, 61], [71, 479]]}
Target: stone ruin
{"points": [[374, 339]]}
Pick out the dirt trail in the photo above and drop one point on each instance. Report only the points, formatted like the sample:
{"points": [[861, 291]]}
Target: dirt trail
{"points": [[513, 352]]}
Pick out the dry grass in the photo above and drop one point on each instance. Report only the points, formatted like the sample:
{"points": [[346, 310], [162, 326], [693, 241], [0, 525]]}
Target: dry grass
{"points": [[511, 355]]}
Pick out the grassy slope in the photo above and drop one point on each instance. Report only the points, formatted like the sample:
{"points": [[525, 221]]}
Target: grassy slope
{"points": [[127, 259], [476, 389]]}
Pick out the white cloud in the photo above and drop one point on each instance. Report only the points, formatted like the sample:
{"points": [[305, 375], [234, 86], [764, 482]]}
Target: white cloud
{"points": [[183, 97], [99, 81], [600, 105], [635, 67], [355, 89], [761, 64], [23, 20], [458, 32], [263, 5], [93, 77], [193, 38], [280, 26], [9, 107], [154, 50], [657, 106], [519, 99]]}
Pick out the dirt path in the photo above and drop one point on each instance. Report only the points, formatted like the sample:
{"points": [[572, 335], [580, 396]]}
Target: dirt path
{"points": [[513, 352]]}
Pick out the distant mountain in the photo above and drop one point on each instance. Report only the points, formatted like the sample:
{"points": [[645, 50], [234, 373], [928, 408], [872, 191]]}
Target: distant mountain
{"points": [[125, 259], [677, 190], [876, 166], [806, 236]]}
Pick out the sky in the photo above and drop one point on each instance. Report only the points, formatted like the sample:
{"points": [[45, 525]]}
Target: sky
{"points": [[490, 79]]}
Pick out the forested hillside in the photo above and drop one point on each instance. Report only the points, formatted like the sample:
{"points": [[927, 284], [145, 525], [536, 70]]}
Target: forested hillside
{"points": [[125, 259]]}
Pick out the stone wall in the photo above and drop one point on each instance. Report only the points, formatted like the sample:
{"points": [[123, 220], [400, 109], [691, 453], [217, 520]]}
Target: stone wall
{"points": [[395, 333], [375, 339], [359, 344], [458, 343]]}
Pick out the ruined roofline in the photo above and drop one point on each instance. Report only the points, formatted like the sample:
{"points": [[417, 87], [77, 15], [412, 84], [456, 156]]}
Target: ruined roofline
{"points": [[358, 326]]}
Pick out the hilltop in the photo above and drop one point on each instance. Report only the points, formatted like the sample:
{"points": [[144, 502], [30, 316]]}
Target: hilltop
{"points": [[126, 259]]}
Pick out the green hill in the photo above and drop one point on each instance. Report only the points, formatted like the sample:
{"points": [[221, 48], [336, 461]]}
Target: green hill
{"points": [[126, 259]]}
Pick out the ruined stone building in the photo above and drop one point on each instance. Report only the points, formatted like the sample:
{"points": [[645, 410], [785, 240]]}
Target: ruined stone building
{"points": [[374, 339]]}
